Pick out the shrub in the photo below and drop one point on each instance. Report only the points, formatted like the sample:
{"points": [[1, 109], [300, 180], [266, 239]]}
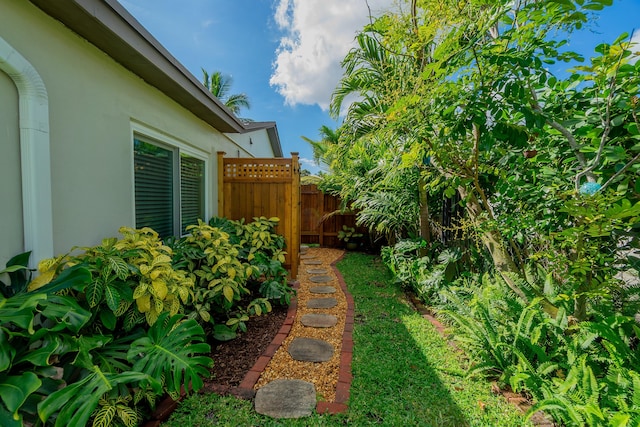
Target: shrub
{"points": [[227, 259], [56, 367], [137, 268]]}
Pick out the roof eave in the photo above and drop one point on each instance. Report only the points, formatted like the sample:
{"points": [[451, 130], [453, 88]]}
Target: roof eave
{"points": [[108, 26]]}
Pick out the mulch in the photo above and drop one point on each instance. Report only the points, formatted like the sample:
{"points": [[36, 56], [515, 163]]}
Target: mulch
{"points": [[233, 359]]}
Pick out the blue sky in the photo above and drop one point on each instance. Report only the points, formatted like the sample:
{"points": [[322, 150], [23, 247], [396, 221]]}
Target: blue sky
{"points": [[285, 54]]}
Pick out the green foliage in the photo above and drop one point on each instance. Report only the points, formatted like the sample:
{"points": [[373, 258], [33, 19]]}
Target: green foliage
{"points": [[348, 233], [62, 364], [18, 274], [170, 351], [231, 262], [428, 275], [462, 97], [130, 277], [580, 372]]}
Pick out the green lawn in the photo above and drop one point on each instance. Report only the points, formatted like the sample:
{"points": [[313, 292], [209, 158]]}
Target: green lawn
{"points": [[404, 373]]}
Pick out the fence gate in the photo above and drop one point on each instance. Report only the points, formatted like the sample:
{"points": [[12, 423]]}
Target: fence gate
{"points": [[249, 187]]}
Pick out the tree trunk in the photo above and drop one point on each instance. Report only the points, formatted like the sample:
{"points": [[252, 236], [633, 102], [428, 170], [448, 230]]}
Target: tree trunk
{"points": [[425, 228], [502, 259]]}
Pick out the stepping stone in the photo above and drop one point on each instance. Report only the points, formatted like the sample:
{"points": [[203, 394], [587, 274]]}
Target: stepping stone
{"points": [[304, 248], [322, 303], [319, 320], [311, 262], [323, 290], [310, 350], [317, 271], [321, 279], [310, 256], [286, 399]]}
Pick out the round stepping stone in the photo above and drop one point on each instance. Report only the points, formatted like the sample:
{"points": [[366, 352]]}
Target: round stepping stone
{"points": [[322, 303], [317, 271], [312, 262], [321, 279], [310, 350], [308, 256], [304, 248], [286, 399], [323, 290], [319, 320]]}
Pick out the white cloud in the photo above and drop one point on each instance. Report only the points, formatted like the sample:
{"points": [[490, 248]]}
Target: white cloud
{"points": [[317, 36]]}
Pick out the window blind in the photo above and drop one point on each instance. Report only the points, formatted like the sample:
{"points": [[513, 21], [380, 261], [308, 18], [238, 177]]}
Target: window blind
{"points": [[191, 190], [154, 187]]}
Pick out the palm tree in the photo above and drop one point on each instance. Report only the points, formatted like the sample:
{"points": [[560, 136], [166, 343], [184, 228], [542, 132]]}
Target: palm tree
{"points": [[320, 148], [219, 86]]}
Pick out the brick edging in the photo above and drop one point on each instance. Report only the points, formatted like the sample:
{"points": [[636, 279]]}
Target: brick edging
{"points": [[343, 388]]}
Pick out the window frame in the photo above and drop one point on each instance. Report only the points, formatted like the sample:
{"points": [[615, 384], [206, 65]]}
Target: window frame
{"points": [[178, 147]]}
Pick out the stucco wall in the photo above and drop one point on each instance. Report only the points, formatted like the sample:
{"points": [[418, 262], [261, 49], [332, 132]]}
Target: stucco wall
{"points": [[93, 102], [256, 142], [11, 236]]}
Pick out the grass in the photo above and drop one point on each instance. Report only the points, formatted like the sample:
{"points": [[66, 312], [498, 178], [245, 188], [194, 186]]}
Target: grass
{"points": [[404, 373]]}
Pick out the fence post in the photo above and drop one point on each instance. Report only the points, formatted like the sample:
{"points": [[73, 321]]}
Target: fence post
{"points": [[221, 183], [295, 214]]}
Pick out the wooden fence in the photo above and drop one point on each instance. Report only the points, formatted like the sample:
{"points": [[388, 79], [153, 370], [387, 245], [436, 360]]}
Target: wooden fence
{"points": [[320, 221], [250, 188]]}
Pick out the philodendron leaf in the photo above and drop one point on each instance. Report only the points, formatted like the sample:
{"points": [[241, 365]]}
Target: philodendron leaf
{"points": [[14, 390], [75, 403], [170, 350], [7, 419], [76, 277]]}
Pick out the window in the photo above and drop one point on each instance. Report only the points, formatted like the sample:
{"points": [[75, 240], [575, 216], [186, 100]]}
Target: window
{"points": [[169, 188]]}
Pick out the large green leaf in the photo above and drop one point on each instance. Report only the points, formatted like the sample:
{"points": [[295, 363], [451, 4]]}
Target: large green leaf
{"points": [[66, 312], [75, 403], [170, 350], [7, 352], [18, 273], [76, 277], [14, 389]]}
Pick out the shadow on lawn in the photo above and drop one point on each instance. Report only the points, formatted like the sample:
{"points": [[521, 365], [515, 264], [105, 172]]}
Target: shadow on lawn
{"points": [[393, 381]]}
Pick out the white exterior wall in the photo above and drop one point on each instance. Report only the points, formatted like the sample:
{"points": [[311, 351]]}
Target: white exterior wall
{"points": [[94, 105], [256, 142]]}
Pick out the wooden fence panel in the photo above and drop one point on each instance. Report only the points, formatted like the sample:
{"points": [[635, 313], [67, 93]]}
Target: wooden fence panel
{"points": [[250, 188], [320, 221]]}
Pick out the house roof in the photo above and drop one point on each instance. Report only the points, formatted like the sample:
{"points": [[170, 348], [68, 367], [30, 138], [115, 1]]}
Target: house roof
{"points": [[107, 25]]}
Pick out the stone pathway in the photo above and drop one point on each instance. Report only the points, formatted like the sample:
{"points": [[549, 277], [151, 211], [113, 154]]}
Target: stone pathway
{"points": [[295, 398]]}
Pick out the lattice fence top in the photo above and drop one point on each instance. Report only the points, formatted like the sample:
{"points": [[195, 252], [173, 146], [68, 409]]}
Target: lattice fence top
{"points": [[258, 169]]}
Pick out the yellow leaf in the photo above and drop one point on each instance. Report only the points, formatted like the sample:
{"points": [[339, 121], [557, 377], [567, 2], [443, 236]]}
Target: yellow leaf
{"points": [[144, 269], [47, 264], [204, 315], [151, 316], [228, 293], [144, 303], [183, 293], [174, 305], [231, 273], [42, 280], [274, 219], [162, 259], [140, 290], [159, 305], [160, 288]]}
